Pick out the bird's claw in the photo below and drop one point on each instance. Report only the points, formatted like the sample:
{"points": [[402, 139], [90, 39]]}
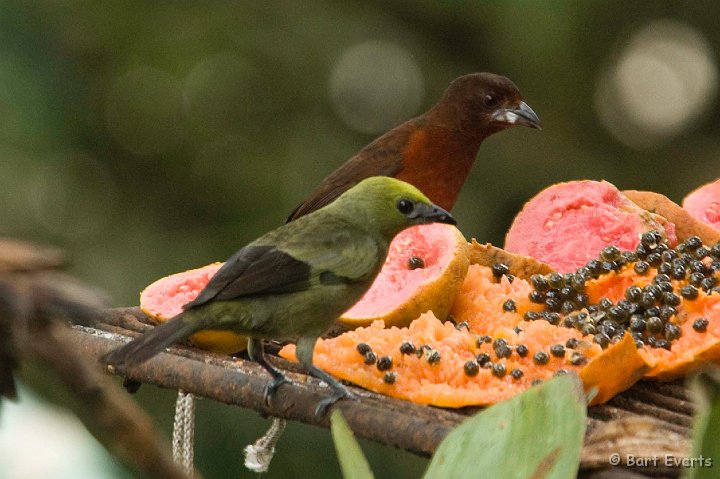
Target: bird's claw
{"points": [[322, 408], [272, 387]]}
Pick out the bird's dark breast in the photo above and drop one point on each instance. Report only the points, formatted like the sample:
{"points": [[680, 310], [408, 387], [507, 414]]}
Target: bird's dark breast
{"points": [[437, 162]]}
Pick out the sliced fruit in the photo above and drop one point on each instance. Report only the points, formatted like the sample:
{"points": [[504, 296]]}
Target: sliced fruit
{"points": [[667, 299], [423, 271], [567, 224], [696, 346], [165, 298], [704, 203], [686, 225], [620, 366], [517, 265], [431, 362], [488, 304]]}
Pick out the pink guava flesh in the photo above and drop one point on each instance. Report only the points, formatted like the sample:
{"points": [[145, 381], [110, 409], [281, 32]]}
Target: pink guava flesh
{"points": [[704, 203], [433, 244], [568, 224], [166, 296]]}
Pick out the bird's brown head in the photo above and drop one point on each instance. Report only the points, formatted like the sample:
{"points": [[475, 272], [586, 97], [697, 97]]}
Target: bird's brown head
{"points": [[483, 104]]}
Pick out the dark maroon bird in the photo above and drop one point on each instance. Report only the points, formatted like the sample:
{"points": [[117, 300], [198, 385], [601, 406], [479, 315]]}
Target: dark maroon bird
{"points": [[436, 150]]}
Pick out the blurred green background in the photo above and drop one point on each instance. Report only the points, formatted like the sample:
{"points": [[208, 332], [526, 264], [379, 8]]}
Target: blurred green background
{"points": [[147, 138]]}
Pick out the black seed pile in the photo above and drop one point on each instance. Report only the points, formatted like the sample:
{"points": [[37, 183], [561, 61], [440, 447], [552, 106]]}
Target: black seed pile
{"points": [[648, 313]]}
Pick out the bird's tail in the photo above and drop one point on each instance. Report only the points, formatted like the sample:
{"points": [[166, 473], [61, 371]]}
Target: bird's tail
{"points": [[151, 343]]}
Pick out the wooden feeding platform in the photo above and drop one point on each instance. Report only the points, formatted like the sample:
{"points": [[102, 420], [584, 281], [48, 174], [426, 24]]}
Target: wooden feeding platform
{"points": [[650, 420]]}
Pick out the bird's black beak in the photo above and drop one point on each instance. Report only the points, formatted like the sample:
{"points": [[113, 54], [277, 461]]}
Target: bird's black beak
{"points": [[522, 115], [429, 213]]}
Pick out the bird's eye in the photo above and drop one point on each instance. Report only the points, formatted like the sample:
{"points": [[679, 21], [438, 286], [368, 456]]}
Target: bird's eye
{"points": [[490, 100], [405, 206]]}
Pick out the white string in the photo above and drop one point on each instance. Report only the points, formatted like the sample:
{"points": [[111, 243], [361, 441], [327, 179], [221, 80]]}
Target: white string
{"points": [[184, 431], [259, 455]]}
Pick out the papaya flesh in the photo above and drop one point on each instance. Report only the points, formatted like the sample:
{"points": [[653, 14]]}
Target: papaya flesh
{"points": [[484, 356], [441, 367], [666, 298], [695, 345]]}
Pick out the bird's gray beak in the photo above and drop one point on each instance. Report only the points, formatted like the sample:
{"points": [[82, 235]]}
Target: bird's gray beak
{"points": [[522, 115], [429, 213]]}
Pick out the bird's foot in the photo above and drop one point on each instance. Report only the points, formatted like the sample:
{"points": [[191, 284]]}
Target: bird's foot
{"points": [[272, 387], [131, 385], [322, 408]]}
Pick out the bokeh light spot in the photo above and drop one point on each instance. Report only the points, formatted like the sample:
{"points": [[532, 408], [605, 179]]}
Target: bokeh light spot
{"points": [[664, 78], [144, 110], [376, 85]]}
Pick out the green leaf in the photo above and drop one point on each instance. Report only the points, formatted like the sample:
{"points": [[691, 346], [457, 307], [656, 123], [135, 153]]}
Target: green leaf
{"points": [[705, 387], [537, 434], [352, 460]]}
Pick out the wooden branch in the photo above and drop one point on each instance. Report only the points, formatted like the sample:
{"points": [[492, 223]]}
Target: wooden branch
{"points": [[663, 409], [109, 414], [35, 301], [241, 382]]}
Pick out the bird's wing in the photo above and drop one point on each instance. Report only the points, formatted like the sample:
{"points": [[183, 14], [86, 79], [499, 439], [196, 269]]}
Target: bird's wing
{"points": [[332, 253], [255, 270], [338, 252]]}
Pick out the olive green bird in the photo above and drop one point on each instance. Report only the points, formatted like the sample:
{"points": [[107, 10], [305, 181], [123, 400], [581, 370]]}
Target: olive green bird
{"points": [[295, 281]]}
